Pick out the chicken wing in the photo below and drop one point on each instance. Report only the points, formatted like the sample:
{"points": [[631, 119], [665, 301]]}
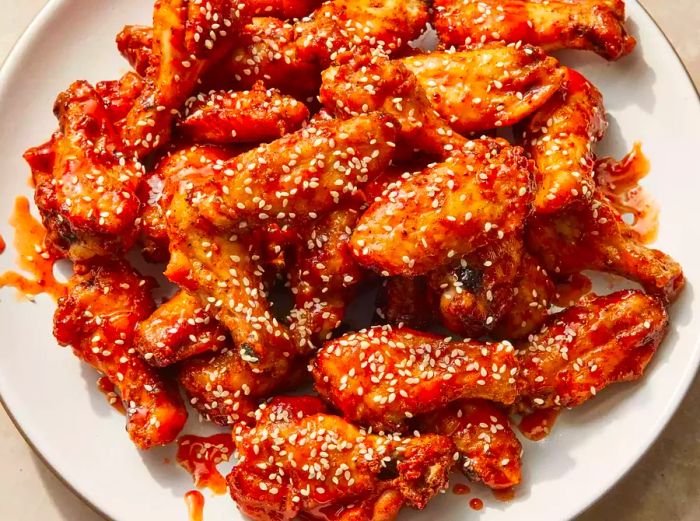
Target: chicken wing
{"points": [[254, 116], [87, 195], [477, 293], [595, 25], [383, 376], [323, 277], [301, 461], [592, 236], [585, 348], [180, 328], [135, 43], [283, 9], [189, 36], [376, 83], [97, 318], [477, 196], [405, 301], [488, 87], [488, 448], [119, 96], [559, 137]]}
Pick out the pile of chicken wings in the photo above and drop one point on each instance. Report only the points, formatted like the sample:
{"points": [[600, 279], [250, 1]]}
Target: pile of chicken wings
{"points": [[311, 150]]}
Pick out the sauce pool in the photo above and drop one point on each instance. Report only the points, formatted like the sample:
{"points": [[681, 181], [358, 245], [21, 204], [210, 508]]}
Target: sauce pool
{"points": [[538, 424], [476, 504], [461, 489], [200, 455], [32, 256], [195, 505], [506, 494]]}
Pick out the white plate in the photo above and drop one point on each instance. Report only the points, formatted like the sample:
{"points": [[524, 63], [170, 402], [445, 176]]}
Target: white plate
{"points": [[53, 397]]}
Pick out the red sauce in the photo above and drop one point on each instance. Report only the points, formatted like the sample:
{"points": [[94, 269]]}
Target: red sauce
{"points": [[506, 494], [195, 505], [619, 182], [3, 245], [568, 292], [200, 456], [461, 489], [476, 504], [32, 256], [107, 388], [538, 424]]}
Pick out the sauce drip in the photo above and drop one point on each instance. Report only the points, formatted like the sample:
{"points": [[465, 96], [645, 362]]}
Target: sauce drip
{"points": [[538, 424], [195, 505], [461, 489], [476, 504], [569, 291], [619, 183], [107, 388], [2, 245], [506, 494], [32, 256], [199, 456]]}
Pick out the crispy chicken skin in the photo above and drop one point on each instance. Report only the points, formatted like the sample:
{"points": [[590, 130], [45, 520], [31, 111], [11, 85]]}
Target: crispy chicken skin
{"points": [[559, 137], [383, 376], [376, 83], [489, 449], [323, 276], [592, 236], [586, 347], [488, 87], [189, 36], [477, 292], [86, 188], [253, 116], [180, 328], [475, 197], [358, 476], [595, 25], [97, 318]]}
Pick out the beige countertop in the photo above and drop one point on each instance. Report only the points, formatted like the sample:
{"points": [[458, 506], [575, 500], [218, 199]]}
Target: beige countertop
{"points": [[664, 485]]}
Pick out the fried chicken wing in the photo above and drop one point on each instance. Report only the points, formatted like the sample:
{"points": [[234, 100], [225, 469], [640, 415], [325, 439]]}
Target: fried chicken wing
{"points": [[87, 195], [119, 96], [477, 196], [592, 236], [135, 43], [488, 448], [559, 137], [254, 116], [383, 376], [324, 277], [595, 25], [180, 328], [300, 461], [283, 9], [376, 83], [189, 36], [489, 87], [405, 301], [586, 347], [475, 294], [97, 318]]}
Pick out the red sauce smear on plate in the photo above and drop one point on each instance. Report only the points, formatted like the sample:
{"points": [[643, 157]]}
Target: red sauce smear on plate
{"points": [[619, 183], [538, 424], [3, 245], [506, 494], [199, 456], [107, 388], [32, 256], [569, 291], [461, 489], [476, 504], [195, 505]]}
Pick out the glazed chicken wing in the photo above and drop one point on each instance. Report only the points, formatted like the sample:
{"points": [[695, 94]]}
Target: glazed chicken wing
{"points": [[488, 87], [382, 376], [595, 25], [592, 236], [559, 137], [283, 9], [119, 96], [97, 318], [87, 195], [477, 196], [489, 449], [405, 301], [585, 348], [254, 116], [180, 328], [300, 461], [135, 43]]}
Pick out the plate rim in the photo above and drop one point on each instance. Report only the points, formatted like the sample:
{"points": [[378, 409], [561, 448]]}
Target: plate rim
{"points": [[10, 63]]}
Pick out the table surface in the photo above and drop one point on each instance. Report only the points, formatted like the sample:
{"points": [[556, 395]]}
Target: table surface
{"points": [[663, 485]]}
